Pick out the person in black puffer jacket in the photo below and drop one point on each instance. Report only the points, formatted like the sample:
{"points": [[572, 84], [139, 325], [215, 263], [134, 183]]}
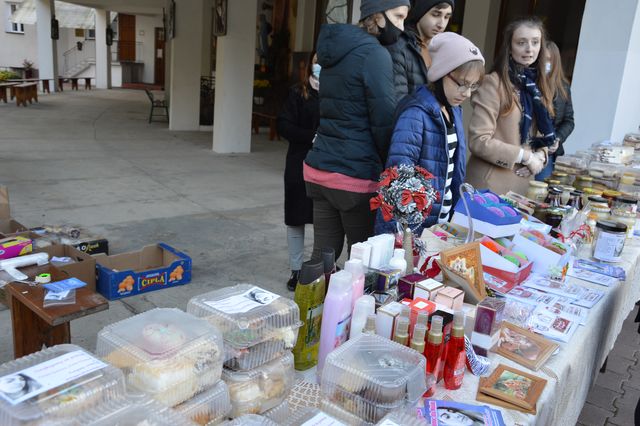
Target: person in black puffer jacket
{"points": [[562, 108], [410, 54], [357, 102]]}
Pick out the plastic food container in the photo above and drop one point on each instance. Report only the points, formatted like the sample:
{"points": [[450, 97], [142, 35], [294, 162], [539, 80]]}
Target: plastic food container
{"points": [[258, 390], [209, 407], [371, 376], [258, 325], [55, 385], [609, 241], [311, 416], [402, 418], [336, 411], [250, 420], [134, 411], [165, 352]]}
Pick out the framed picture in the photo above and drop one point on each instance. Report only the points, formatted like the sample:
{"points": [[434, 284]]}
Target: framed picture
{"points": [[481, 397], [219, 18], [466, 262], [524, 347], [514, 386]]}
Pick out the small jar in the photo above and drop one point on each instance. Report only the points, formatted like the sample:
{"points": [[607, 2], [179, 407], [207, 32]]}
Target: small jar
{"points": [[575, 200], [553, 197], [537, 191], [609, 241], [566, 194], [561, 177], [610, 195], [629, 219], [540, 212], [583, 182], [625, 204]]}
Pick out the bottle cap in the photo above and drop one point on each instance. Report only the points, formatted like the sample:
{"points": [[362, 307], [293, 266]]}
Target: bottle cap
{"points": [[365, 304], [340, 282], [458, 324], [402, 327], [311, 270], [354, 266], [419, 333], [398, 253], [435, 333], [423, 318], [405, 311], [328, 259], [370, 325]]}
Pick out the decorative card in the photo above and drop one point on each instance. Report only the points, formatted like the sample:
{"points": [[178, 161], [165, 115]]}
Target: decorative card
{"points": [[557, 327], [600, 268]]}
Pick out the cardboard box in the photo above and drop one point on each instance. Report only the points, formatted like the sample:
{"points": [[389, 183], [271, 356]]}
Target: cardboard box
{"points": [[487, 325], [89, 245], [496, 265], [450, 297], [427, 289], [407, 284], [484, 220], [82, 266], [385, 318], [153, 268], [545, 261], [10, 227], [14, 247]]}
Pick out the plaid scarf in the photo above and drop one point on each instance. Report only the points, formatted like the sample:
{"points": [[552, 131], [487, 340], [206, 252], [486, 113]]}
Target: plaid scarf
{"points": [[532, 107]]}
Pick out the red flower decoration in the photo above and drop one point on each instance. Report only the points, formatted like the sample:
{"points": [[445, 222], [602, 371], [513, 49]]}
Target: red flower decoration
{"points": [[388, 176], [420, 199], [375, 202], [406, 197], [424, 172]]}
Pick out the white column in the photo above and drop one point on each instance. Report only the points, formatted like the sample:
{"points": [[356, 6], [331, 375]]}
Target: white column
{"points": [[605, 83], [103, 52], [47, 48], [235, 59], [186, 63], [207, 12], [305, 23]]}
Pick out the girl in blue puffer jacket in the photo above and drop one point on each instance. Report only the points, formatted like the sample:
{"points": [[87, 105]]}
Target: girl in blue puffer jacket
{"points": [[429, 132]]}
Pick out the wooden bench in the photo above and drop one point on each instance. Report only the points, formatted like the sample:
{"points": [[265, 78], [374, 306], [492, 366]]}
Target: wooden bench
{"points": [[26, 92], [3, 91], [35, 326], [258, 118]]}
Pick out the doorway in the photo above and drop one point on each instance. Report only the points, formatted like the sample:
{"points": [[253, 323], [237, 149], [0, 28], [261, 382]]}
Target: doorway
{"points": [[158, 64], [127, 38]]}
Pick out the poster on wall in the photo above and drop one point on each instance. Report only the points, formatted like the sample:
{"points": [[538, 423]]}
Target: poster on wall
{"points": [[220, 18]]}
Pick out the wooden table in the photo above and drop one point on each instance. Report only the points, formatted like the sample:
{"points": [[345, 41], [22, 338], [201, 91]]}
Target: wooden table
{"points": [[34, 326], [26, 92], [3, 91]]}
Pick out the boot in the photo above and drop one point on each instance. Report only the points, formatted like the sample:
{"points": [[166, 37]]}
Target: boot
{"points": [[293, 280]]}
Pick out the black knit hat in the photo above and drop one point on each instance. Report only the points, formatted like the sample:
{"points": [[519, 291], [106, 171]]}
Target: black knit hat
{"points": [[369, 7], [420, 7]]}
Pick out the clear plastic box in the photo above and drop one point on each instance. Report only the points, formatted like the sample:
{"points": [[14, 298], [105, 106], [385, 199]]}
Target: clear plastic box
{"points": [[258, 325], [280, 413], [371, 376], [165, 352], [402, 418], [313, 416], [42, 391], [258, 390], [251, 420], [209, 407], [138, 411], [342, 414]]}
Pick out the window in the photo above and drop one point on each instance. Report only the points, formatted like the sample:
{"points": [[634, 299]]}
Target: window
{"points": [[90, 34], [12, 27]]}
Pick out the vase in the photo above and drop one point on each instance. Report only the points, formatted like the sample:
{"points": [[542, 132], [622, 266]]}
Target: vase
{"points": [[407, 245]]}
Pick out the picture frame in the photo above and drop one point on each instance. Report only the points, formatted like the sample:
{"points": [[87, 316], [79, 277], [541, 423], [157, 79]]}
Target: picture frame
{"points": [[219, 18], [480, 397], [466, 262], [524, 347], [514, 386]]}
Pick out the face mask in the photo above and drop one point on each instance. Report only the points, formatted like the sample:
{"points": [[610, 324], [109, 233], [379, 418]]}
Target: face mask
{"points": [[389, 34], [547, 67], [315, 70]]}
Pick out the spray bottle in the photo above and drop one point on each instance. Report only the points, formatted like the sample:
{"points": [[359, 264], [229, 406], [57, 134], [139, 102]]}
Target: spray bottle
{"points": [[401, 332], [417, 340], [456, 356], [309, 296], [434, 349]]}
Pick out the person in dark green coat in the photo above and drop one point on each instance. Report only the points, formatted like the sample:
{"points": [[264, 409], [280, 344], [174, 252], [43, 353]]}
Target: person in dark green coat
{"points": [[357, 102]]}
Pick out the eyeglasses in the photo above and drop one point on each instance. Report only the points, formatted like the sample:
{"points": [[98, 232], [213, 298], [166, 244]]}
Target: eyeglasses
{"points": [[462, 88]]}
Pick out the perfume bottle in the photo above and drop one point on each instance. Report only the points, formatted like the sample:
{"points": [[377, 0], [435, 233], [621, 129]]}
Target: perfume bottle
{"points": [[433, 351], [401, 332], [455, 362], [417, 340]]}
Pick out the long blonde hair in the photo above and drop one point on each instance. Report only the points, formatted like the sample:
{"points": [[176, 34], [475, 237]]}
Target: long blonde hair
{"points": [[557, 78], [501, 65]]}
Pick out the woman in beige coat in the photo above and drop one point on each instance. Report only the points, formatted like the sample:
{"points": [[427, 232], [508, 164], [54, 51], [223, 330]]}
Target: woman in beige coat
{"points": [[512, 121]]}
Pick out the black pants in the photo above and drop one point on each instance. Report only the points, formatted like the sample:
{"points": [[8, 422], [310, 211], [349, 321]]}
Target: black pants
{"points": [[338, 213]]}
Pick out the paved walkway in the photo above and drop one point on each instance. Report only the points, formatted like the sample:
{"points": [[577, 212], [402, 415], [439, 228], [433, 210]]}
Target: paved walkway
{"points": [[91, 159]]}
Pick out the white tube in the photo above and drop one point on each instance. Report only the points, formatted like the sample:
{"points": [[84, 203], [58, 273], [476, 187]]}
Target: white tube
{"points": [[11, 265]]}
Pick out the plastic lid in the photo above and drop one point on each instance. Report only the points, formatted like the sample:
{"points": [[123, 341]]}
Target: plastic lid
{"points": [[328, 259], [402, 327], [365, 303], [405, 311], [419, 333], [611, 193], [423, 318], [354, 266], [398, 253], [311, 270], [598, 199], [435, 333], [81, 381], [458, 324], [607, 225], [577, 192], [585, 178], [212, 405], [340, 282], [626, 200], [538, 184], [243, 328]]}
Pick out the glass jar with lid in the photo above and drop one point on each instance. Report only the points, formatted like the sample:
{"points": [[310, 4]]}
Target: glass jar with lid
{"points": [[609, 241], [610, 195], [575, 200], [583, 182], [537, 191], [625, 204], [540, 212], [553, 197], [561, 177], [566, 194], [627, 218]]}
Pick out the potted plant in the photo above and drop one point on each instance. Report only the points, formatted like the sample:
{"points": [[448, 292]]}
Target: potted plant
{"points": [[28, 68]]}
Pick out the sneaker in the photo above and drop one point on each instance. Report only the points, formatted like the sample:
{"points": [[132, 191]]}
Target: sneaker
{"points": [[293, 280]]}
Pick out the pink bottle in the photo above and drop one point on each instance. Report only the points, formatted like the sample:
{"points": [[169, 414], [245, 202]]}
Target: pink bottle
{"points": [[355, 267], [336, 316]]}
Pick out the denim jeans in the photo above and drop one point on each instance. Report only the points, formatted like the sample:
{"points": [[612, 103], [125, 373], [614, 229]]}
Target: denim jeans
{"points": [[546, 172]]}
